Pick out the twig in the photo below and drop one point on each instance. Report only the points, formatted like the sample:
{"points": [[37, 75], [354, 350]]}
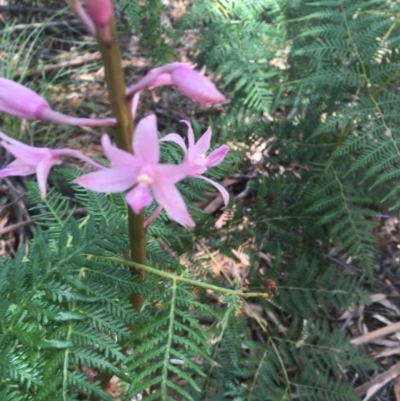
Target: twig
{"points": [[45, 24], [373, 335], [13, 227], [370, 388]]}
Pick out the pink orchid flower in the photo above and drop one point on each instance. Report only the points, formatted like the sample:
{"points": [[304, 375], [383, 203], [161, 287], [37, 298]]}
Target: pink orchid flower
{"points": [[188, 81], [143, 172], [30, 160], [20, 101], [195, 156]]}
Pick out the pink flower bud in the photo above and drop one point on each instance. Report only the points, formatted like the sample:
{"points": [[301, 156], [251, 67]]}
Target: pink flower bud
{"points": [[188, 81], [20, 101], [100, 11], [196, 86]]}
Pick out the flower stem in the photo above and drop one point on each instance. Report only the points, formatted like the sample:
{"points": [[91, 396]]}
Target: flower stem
{"points": [[121, 110]]}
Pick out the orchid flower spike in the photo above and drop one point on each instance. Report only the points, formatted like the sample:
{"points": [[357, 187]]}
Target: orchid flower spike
{"points": [[143, 172], [100, 12], [30, 160], [188, 81], [20, 101], [195, 156]]}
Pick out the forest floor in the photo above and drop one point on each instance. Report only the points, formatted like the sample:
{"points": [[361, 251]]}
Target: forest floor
{"points": [[42, 43]]}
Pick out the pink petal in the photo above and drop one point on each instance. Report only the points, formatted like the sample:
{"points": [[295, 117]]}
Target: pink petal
{"points": [[195, 86], [119, 158], [28, 154], [145, 140], [135, 103], [175, 138], [162, 80], [194, 166], [217, 156], [203, 144], [42, 173], [171, 200], [146, 81], [19, 100], [17, 168], [139, 198], [151, 79], [190, 134], [171, 172], [78, 155], [107, 180], [8, 141], [224, 193]]}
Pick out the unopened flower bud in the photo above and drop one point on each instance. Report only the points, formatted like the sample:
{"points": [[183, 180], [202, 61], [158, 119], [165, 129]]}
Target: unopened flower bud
{"points": [[188, 81], [20, 101], [100, 12]]}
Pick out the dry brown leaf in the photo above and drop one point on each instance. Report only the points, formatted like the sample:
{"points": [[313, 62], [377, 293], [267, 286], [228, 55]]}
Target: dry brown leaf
{"points": [[243, 257], [370, 388], [387, 352], [224, 218], [377, 297]]}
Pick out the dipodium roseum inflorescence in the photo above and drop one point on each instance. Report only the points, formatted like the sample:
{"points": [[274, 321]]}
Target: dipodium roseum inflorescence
{"points": [[139, 173]]}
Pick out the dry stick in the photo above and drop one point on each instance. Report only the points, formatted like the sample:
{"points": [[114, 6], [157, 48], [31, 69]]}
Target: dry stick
{"points": [[121, 110], [15, 226], [373, 335], [45, 24]]}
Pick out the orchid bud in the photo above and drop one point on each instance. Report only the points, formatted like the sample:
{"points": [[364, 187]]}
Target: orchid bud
{"points": [[195, 86], [20, 101], [100, 12], [188, 81]]}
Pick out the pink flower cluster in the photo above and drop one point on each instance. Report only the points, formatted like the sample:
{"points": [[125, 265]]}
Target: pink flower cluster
{"points": [[146, 178], [141, 173]]}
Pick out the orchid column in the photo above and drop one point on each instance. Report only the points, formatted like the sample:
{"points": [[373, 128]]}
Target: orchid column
{"points": [[100, 13]]}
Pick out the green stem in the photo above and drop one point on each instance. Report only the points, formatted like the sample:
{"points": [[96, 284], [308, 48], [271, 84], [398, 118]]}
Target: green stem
{"points": [[121, 110], [175, 277]]}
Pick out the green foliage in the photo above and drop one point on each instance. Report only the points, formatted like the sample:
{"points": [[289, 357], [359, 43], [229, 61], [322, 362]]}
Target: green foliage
{"points": [[60, 311], [313, 91], [172, 337], [323, 120], [331, 107], [155, 34]]}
